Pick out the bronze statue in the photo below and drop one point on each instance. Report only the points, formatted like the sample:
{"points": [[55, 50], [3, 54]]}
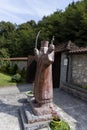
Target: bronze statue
{"points": [[43, 87]]}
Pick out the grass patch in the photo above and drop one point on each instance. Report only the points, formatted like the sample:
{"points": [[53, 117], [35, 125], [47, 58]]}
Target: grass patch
{"points": [[5, 80]]}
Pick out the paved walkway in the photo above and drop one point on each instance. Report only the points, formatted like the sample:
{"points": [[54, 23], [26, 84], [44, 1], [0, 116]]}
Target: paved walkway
{"points": [[70, 108]]}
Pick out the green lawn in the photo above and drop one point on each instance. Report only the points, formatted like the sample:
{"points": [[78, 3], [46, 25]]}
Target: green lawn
{"points": [[5, 80]]}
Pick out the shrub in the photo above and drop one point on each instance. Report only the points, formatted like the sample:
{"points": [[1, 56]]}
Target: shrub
{"points": [[11, 71], [3, 69], [6, 68], [16, 78], [23, 73], [59, 125], [15, 69], [85, 86]]}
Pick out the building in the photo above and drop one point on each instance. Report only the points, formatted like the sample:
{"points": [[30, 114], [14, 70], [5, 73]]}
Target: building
{"points": [[70, 68]]}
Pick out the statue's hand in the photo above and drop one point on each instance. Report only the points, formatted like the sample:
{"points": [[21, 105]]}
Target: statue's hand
{"points": [[51, 53], [51, 48], [36, 51]]}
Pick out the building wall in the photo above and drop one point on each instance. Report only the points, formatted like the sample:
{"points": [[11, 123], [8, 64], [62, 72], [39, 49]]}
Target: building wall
{"points": [[63, 71], [79, 69], [21, 64]]}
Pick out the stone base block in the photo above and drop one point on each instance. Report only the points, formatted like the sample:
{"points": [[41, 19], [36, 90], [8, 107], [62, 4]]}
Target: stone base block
{"points": [[43, 109], [30, 121]]}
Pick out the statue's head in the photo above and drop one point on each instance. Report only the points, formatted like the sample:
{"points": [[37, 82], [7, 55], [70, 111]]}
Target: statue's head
{"points": [[44, 47]]}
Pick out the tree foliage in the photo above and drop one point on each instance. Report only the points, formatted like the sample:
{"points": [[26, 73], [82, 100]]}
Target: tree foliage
{"points": [[71, 24]]}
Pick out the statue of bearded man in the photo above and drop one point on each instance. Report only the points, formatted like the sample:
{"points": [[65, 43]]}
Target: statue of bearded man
{"points": [[43, 87]]}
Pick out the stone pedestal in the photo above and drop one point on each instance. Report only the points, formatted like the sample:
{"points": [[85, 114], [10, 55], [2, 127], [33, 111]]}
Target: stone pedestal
{"points": [[43, 109], [31, 121]]}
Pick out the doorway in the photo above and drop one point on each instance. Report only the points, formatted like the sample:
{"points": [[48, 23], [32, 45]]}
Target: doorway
{"points": [[31, 72], [56, 70]]}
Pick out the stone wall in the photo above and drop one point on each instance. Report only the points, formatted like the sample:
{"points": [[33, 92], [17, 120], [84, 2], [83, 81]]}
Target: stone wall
{"points": [[21, 64], [79, 69]]}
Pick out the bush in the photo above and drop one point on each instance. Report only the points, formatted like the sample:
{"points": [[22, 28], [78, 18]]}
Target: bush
{"points": [[16, 78], [23, 73], [59, 125], [85, 86], [15, 69], [3, 69], [9, 69]]}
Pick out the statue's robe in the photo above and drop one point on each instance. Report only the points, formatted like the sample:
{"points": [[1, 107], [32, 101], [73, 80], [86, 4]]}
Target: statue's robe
{"points": [[43, 87]]}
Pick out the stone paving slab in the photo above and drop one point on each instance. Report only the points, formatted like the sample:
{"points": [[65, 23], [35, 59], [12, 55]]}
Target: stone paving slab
{"points": [[11, 98], [71, 109]]}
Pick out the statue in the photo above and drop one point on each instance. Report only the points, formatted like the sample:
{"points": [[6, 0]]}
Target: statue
{"points": [[43, 87]]}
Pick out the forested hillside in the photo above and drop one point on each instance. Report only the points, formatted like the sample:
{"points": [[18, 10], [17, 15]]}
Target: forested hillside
{"points": [[71, 24]]}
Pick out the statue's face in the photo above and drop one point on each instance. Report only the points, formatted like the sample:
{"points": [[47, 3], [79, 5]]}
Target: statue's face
{"points": [[43, 50]]}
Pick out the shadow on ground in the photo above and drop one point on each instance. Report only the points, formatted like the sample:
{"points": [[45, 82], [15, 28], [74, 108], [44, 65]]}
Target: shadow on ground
{"points": [[24, 87], [11, 99], [74, 109]]}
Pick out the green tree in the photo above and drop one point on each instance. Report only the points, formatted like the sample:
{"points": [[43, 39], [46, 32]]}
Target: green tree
{"points": [[3, 54]]}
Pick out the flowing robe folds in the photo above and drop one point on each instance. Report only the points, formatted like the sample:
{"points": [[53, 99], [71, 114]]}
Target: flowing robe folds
{"points": [[43, 87]]}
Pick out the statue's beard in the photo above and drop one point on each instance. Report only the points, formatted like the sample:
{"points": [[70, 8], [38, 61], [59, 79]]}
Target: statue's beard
{"points": [[43, 50]]}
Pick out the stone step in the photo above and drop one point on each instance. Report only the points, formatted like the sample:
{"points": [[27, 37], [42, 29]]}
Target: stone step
{"points": [[78, 93], [76, 88], [31, 117], [31, 121], [28, 113], [23, 118]]}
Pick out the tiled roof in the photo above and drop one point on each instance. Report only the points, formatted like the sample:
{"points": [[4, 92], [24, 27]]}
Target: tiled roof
{"points": [[80, 50], [61, 48], [71, 48], [66, 47]]}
